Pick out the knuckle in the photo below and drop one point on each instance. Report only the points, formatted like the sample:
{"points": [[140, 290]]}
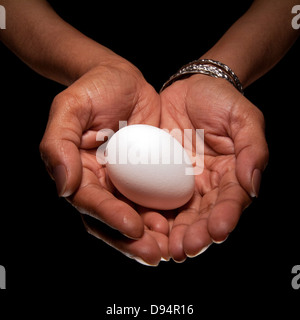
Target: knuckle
{"points": [[61, 100]]}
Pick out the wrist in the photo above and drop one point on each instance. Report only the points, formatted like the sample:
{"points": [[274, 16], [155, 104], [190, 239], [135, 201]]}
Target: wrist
{"points": [[107, 61], [208, 67], [241, 67], [85, 55], [77, 55]]}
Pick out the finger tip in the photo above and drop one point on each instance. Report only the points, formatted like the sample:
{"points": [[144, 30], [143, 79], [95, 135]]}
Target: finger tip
{"points": [[220, 241], [176, 243], [219, 232], [146, 250], [223, 220], [134, 232], [162, 228], [177, 253], [132, 223], [219, 237], [193, 254], [197, 239], [144, 263], [194, 246], [155, 221], [179, 260], [165, 259]]}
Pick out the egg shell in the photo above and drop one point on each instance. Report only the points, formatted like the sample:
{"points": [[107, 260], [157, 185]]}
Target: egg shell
{"points": [[148, 166]]}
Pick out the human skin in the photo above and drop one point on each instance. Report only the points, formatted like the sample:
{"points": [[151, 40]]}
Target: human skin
{"points": [[103, 88], [235, 155], [236, 152]]}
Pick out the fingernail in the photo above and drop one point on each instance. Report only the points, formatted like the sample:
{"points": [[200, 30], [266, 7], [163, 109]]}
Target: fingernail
{"points": [[221, 241], [143, 262], [164, 259], [201, 251], [256, 179], [60, 177]]}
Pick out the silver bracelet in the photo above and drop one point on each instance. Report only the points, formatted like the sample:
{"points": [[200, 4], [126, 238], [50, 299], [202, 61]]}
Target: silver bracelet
{"points": [[208, 67]]}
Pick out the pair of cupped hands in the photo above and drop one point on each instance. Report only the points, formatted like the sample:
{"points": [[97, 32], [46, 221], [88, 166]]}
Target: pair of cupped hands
{"points": [[235, 155]]}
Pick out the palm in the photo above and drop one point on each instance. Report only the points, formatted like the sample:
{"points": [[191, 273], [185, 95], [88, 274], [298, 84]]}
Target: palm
{"points": [[204, 103]]}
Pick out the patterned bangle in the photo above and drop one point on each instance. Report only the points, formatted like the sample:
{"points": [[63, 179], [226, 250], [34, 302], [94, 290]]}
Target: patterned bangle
{"points": [[208, 67]]}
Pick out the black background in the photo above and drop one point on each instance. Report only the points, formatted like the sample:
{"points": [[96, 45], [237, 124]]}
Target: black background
{"points": [[51, 262]]}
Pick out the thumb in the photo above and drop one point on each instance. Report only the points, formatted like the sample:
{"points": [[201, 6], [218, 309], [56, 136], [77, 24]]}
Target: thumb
{"points": [[60, 143], [251, 148]]}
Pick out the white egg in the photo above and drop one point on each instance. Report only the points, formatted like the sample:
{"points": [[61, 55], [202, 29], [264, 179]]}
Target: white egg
{"points": [[149, 167]]}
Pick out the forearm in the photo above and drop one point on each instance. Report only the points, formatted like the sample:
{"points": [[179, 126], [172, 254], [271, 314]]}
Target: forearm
{"points": [[49, 45], [258, 40]]}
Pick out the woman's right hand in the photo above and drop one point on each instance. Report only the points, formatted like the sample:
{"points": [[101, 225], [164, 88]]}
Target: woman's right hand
{"points": [[99, 99]]}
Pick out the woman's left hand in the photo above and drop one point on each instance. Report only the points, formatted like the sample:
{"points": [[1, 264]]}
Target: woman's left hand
{"points": [[235, 155]]}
